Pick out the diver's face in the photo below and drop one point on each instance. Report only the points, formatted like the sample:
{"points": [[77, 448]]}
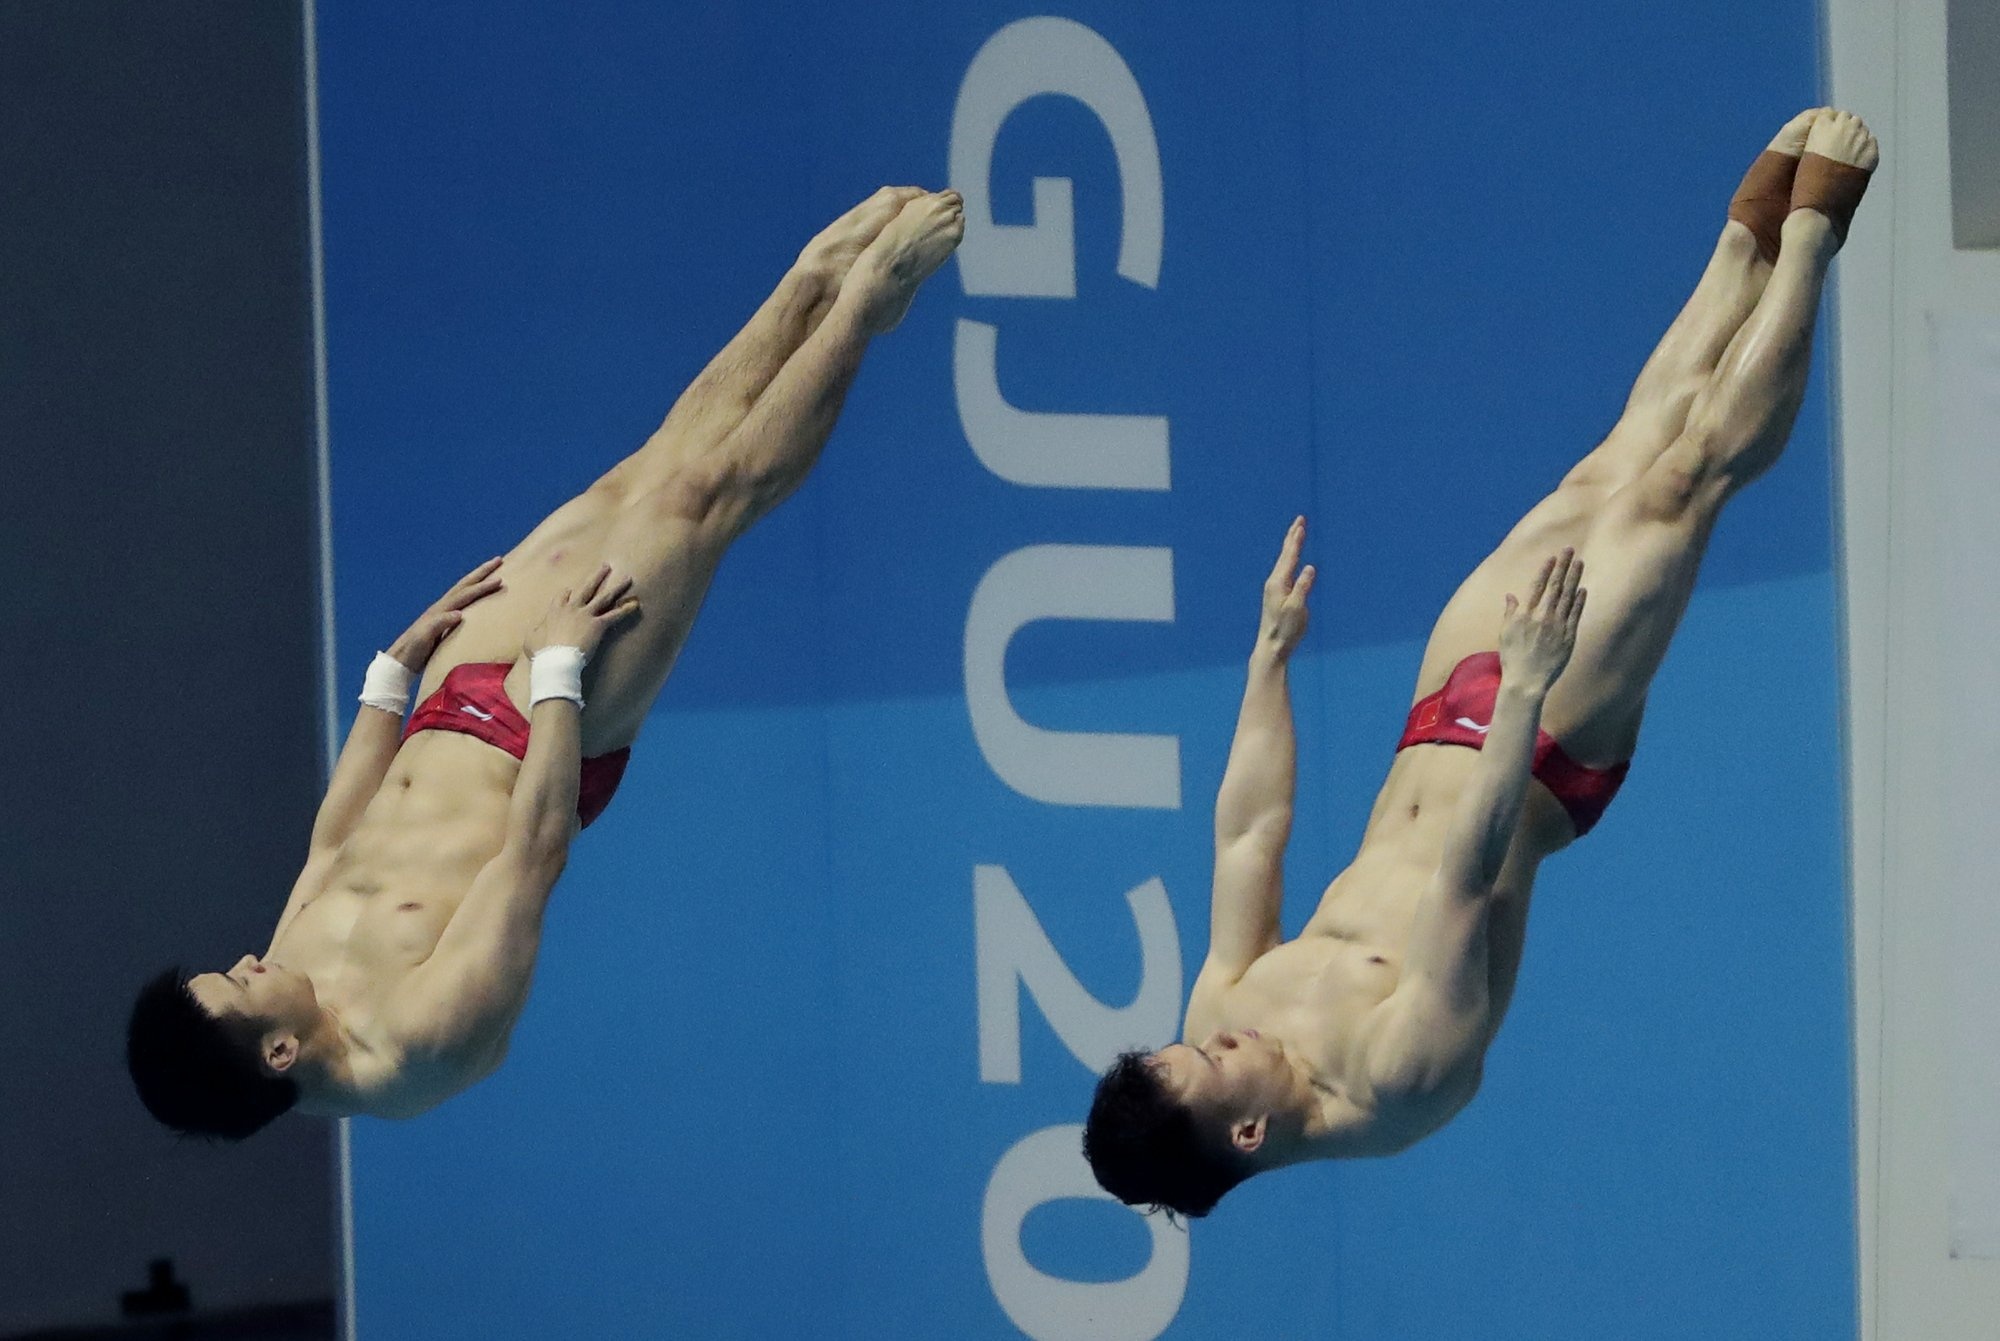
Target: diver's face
{"points": [[1231, 1077], [266, 995]]}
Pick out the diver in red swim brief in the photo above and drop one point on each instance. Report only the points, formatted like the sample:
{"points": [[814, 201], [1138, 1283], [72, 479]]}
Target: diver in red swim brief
{"points": [[403, 958], [1370, 1029]]}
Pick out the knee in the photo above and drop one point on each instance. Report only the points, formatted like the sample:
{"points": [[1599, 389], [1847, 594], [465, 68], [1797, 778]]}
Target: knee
{"points": [[1589, 482], [1660, 402], [692, 494], [1680, 478], [1583, 477], [687, 495]]}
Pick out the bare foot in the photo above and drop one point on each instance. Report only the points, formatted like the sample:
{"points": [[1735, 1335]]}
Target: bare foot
{"points": [[1765, 196], [904, 255], [1833, 174], [833, 253], [1842, 137], [1791, 139]]}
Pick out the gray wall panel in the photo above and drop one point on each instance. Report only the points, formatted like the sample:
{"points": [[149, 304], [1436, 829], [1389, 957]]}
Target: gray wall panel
{"points": [[157, 500]]}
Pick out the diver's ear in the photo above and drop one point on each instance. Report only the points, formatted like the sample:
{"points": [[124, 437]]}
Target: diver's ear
{"points": [[1248, 1134], [280, 1051]]}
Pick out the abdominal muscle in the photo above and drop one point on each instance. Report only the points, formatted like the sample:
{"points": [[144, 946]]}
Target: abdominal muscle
{"points": [[1317, 991], [438, 817]]}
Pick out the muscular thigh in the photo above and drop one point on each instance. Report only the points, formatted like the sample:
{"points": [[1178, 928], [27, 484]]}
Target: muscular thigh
{"points": [[1642, 556], [670, 545], [663, 537], [563, 550], [1471, 620], [1567, 517]]}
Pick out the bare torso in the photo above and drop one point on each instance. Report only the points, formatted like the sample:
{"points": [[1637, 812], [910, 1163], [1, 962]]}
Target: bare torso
{"points": [[387, 897], [417, 917], [376, 902], [1317, 991]]}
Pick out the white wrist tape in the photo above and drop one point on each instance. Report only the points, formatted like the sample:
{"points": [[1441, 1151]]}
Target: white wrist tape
{"points": [[387, 685], [556, 672]]}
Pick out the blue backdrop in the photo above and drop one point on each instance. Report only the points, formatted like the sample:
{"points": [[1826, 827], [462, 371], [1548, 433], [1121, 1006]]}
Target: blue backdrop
{"points": [[1408, 265]]}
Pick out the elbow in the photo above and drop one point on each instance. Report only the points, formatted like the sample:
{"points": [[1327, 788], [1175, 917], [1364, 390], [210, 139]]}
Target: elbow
{"points": [[550, 853], [543, 824], [1271, 829], [1470, 876], [1263, 836], [1269, 823], [542, 849]]}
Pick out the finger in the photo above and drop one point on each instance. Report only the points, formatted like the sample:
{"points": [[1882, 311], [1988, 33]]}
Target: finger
{"points": [[1303, 586], [608, 596], [1569, 567], [1576, 611], [590, 587], [1512, 605], [621, 613], [1571, 586], [611, 595], [478, 573], [478, 592], [1288, 555], [1558, 577], [1541, 582]]}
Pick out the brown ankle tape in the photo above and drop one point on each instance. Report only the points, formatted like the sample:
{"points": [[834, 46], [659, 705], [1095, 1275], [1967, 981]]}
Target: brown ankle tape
{"points": [[1765, 198], [1831, 187]]}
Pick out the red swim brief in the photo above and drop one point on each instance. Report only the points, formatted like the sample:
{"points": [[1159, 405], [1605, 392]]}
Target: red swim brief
{"points": [[473, 699], [1459, 714]]}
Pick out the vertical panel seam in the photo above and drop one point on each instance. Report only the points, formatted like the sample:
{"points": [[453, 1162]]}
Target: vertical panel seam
{"points": [[1313, 482], [323, 567]]}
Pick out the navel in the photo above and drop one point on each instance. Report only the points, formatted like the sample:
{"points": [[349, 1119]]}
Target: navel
{"points": [[409, 907]]}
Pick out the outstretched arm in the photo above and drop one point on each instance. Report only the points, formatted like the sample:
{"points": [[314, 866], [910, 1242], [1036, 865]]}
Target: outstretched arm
{"points": [[478, 975], [1253, 809], [378, 731], [1437, 1015]]}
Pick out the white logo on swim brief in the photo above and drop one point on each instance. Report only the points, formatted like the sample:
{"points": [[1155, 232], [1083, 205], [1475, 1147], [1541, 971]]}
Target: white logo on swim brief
{"points": [[482, 716], [1471, 725]]}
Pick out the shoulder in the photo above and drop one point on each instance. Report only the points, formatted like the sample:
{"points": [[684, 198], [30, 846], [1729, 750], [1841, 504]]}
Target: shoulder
{"points": [[1415, 1086], [428, 1024], [404, 1077], [453, 1009], [1369, 1123]]}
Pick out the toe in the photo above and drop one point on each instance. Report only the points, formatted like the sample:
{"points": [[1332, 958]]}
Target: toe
{"points": [[1791, 138]]}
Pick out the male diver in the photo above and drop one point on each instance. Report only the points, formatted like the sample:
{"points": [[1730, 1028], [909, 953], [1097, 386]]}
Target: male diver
{"points": [[403, 956], [1368, 1031]]}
